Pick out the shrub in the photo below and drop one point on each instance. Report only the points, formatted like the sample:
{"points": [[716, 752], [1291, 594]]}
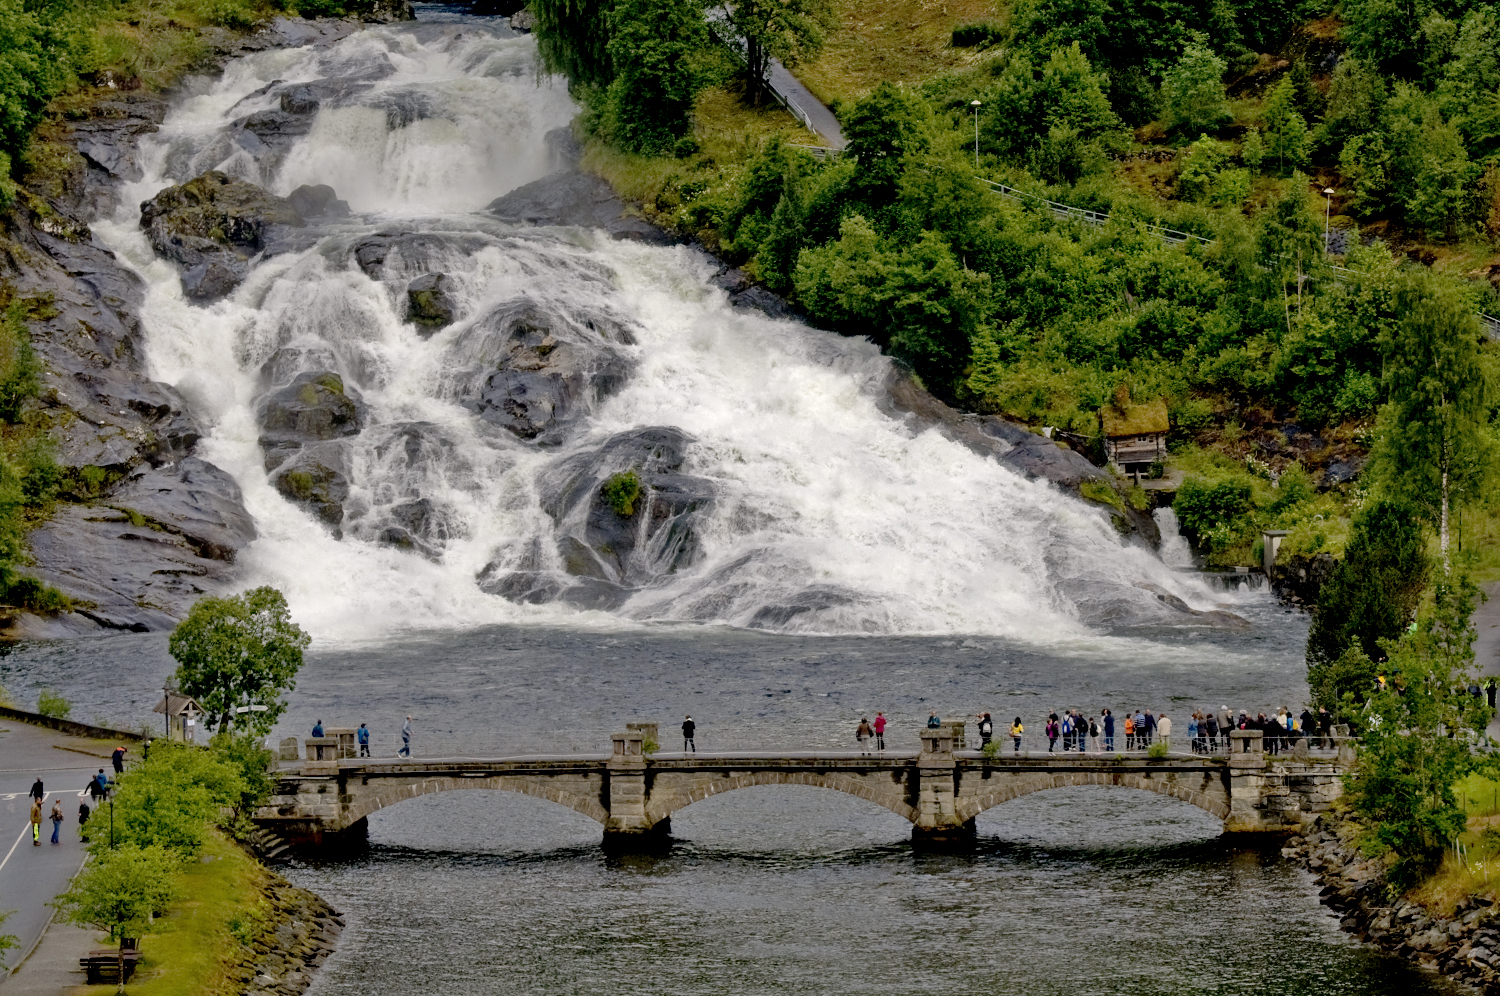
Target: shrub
{"points": [[1157, 749], [979, 34], [1203, 507], [621, 491], [50, 703]]}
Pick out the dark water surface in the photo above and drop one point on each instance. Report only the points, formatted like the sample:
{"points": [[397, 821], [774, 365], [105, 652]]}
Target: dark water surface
{"points": [[785, 889]]}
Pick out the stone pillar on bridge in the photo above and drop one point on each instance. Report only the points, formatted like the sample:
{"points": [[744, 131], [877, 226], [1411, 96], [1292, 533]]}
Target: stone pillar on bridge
{"points": [[628, 824], [1247, 780], [938, 823]]}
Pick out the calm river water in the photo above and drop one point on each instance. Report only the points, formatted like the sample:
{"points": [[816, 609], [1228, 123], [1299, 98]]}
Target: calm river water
{"points": [[785, 889]]}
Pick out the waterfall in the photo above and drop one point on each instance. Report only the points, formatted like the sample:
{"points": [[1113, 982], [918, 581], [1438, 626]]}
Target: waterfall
{"points": [[779, 492], [1175, 551]]}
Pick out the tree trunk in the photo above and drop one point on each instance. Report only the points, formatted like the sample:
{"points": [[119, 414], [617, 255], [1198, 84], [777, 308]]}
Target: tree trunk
{"points": [[121, 980], [1443, 519], [755, 62]]}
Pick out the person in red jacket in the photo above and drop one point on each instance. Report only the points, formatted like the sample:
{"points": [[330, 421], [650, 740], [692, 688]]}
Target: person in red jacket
{"points": [[880, 731]]}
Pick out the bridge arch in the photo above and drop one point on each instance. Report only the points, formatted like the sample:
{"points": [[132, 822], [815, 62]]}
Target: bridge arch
{"points": [[369, 802], [665, 803], [1206, 792]]}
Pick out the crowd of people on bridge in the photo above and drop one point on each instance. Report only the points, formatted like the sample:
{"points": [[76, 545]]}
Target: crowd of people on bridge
{"points": [[1207, 731]]}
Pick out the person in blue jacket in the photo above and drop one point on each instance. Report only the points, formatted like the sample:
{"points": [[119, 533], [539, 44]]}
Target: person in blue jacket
{"points": [[363, 736]]}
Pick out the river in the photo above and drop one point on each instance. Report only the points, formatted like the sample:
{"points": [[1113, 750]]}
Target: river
{"points": [[844, 564]]}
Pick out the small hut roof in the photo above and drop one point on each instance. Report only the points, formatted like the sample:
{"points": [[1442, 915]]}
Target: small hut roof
{"points": [[1135, 420], [177, 705]]}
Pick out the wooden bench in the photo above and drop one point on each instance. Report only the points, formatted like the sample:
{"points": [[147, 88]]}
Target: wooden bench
{"points": [[104, 966]]}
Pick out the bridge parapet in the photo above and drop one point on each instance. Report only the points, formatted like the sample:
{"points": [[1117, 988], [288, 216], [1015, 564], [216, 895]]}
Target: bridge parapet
{"points": [[940, 790]]}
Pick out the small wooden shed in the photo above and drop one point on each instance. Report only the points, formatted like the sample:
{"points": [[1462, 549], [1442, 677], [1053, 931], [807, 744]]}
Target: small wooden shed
{"points": [[184, 715], [1135, 435]]}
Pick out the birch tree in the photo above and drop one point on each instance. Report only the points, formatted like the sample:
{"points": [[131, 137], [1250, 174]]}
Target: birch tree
{"points": [[1434, 439]]}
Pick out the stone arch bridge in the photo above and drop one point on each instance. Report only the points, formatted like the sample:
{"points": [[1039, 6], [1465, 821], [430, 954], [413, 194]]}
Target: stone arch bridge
{"points": [[325, 800]]}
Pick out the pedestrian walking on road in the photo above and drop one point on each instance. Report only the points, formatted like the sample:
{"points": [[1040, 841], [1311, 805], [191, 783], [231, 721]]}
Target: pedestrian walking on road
{"points": [[1016, 730], [405, 750], [37, 791], [1109, 730], [880, 731], [688, 729], [318, 729], [864, 731], [83, 818], [36, 822], [363, 736], [57, 819], [99, 785], [986, 730], [118, 759]]}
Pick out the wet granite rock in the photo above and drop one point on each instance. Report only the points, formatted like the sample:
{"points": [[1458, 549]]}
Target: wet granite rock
{"points": [[569, 197], [317, 201], [211, 226], [316, 477], [548, 370], [315, 407], [138, 559], [429, 304], [607, 556]]}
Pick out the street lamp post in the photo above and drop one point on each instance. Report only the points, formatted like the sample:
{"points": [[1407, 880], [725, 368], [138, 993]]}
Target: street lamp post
{"points": [[975, 105], [1327, 214]]}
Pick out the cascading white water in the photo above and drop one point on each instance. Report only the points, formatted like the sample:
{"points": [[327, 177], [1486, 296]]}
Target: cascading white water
{"points": [[1175, 549], [823, 501]]}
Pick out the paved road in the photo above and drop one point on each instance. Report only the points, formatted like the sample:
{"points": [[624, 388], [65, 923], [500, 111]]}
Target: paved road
{"points": [[1487, 640], [818, 117], [30, 876]]}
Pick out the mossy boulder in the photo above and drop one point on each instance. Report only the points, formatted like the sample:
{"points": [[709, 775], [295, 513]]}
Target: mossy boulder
{"points": [[317, 478], [211, 226], [315, 407], [430, 303]]}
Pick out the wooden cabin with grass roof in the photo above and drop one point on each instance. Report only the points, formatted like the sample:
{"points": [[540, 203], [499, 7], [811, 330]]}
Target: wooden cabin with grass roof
{"points": [[1135, 435]]}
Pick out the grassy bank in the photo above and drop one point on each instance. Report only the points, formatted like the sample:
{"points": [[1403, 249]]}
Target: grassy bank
{"points": [[200, 942]]}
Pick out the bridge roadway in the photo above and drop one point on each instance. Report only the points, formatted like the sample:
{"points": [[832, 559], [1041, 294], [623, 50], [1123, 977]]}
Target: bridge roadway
{"points": [[324, 801]]}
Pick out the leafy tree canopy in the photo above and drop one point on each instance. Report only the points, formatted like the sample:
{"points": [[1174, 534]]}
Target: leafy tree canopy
{"points": [[239, 651]]}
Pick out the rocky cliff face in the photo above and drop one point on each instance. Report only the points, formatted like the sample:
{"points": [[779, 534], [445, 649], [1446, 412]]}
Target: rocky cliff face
{"points": [[145, 527]]}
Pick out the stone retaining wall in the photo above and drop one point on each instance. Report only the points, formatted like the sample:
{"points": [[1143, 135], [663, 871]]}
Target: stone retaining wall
{"points": [[1465, 947]]}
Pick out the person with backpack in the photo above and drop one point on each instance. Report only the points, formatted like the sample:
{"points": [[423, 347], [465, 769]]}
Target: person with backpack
{"points": [[1052, 730], [864, 731], [1067, 730], [1094, 735], [986, 731], [362, 735], [880, 731], [1016, 731]]}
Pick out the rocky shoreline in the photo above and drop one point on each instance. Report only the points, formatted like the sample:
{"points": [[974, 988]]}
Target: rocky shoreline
{"points": [[1465, 947], [299, 933]]}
